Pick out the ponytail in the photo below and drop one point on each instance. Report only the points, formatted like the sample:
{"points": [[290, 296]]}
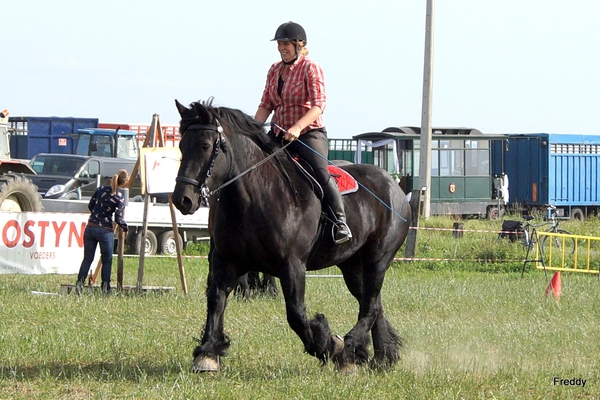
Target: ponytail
{"points": [[119, 180]]}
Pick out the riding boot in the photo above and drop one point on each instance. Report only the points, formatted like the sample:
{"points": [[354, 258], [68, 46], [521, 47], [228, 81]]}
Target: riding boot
{"points": [[334, 199]]}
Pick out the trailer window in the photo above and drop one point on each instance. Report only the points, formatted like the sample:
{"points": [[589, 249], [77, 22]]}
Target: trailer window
{"points": [[477, 157]]}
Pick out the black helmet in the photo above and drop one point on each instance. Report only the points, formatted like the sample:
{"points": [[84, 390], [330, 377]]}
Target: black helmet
{"points": [[290, 31]]}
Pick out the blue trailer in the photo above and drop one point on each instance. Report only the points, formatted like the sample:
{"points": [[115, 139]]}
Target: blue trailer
{"points": [[34, 135], [558, 169]]}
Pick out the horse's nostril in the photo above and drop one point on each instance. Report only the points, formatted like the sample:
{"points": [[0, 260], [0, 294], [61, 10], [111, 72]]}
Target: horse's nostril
{"points": [[184, 204]]}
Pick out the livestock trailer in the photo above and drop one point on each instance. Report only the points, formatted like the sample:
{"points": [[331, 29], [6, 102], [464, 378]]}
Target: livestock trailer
{"points": [[558, 169]]}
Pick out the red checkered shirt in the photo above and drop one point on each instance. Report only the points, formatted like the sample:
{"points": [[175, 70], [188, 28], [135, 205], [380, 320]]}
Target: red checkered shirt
{"points": [[303, 88]]}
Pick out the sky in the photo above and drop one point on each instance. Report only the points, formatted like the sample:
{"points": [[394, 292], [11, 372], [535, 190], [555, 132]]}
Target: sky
{"points": [[501, 66]]}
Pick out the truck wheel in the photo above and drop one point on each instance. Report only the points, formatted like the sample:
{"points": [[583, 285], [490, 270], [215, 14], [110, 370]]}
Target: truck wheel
{"points": [[135, 243], [18, 193], [577, 213], [167, 244]]}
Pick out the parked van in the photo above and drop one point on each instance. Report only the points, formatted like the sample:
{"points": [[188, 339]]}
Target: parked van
{"points": [[70, 176]]}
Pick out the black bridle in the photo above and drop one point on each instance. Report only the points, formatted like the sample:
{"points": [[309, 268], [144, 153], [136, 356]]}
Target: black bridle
{"points": [[205, 192]]}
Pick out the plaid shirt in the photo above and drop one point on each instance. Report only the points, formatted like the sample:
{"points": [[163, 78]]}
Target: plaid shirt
{"points": [[303, 88], [103, 204]]}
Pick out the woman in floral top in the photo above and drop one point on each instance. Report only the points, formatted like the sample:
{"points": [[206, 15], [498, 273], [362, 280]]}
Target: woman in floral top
{"points": [[295, 94], [105, 202]]}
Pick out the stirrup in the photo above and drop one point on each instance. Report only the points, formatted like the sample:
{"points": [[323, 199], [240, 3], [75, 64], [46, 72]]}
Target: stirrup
{"points": [[337, 227]]}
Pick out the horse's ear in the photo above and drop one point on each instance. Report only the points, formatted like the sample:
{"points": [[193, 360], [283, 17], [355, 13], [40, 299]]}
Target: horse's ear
{"points": [[181, 108]]}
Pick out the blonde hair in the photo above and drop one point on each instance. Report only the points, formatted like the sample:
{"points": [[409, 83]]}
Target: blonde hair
{"points": [[119, 180], [302, 49]]}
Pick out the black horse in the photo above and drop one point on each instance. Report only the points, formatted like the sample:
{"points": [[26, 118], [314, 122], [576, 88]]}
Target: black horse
{"points": [[266, 217]]}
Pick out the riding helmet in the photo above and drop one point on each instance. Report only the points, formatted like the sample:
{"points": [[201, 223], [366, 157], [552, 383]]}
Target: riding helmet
{"points": [[290, 31]]}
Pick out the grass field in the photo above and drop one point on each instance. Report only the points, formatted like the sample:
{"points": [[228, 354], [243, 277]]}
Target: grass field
{"points": [[471, 331]]}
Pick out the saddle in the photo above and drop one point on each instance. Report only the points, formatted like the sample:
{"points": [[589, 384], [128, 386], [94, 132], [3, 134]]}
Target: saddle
{"points": [[345, 182]]}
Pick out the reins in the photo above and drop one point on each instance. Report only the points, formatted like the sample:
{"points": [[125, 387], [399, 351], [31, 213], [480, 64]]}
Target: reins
{"points": [[205, 192], [258, 164]]}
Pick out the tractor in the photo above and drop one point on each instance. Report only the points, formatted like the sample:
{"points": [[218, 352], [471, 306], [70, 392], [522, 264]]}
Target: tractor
{"points": [[17, 192]]}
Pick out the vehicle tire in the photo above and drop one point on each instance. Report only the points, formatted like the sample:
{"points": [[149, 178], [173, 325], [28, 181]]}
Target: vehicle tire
{"points": [[167, 244], [577, 213], [135, 242], [557, 243], [495, 213], [18, 193]]}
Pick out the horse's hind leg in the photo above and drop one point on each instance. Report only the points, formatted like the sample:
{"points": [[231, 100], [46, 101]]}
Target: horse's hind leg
{"points": [[365, 282], [242, 287], [268, 285], [386, 343]]}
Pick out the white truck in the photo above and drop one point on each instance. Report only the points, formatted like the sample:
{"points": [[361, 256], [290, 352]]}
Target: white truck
{"points": [[160, 237]]}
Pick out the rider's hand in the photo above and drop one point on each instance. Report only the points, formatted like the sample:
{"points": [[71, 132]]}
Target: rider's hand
{"points": [[292, 134]]}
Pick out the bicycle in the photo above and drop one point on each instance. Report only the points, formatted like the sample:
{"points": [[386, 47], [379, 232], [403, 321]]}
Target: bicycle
{"points": [[528, 234], [557, 242], [529, 231]]}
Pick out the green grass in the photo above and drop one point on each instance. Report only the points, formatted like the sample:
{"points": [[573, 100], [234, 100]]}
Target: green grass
{"points": [[471, 330]]}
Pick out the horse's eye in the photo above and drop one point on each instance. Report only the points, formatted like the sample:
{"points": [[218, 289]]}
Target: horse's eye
{"points": [[205, 146]]}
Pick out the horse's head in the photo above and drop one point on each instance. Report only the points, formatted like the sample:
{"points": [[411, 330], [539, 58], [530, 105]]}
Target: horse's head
{"points": [[202, 162]]}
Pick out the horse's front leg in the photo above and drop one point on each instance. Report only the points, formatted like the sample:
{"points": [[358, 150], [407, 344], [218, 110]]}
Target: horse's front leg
{"points": [[214, 341], [315, 334]]}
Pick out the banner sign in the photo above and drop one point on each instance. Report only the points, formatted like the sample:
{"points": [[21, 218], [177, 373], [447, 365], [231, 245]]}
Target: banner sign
{"points": [[42, 243]]}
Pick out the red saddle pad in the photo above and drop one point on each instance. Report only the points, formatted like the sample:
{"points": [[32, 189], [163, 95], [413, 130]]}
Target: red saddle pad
{"points": [[346, 183]]}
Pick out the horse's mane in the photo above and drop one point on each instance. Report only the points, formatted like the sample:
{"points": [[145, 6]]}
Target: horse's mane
{"points": [[237, 122]]}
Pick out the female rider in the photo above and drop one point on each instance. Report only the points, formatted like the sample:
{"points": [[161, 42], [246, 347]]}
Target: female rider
{"points": [[295, 94]]}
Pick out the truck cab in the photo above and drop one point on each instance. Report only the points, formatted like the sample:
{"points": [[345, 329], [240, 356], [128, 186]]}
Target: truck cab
{"points": [[115, 143]]}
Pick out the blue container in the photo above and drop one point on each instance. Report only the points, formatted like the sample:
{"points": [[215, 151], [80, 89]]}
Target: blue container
{"points": [[36, 135], [558, 169]]}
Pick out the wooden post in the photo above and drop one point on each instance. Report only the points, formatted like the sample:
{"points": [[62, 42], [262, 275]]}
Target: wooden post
{"points": [[178, 247], [457, 230], [121, 251], [149, 142], [426, 145], [411, 238], [143, 246]]}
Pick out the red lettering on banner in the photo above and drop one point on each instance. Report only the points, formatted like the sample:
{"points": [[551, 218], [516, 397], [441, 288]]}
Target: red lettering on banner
{"points": [[43, 225], [13, 223], [76, 234], [29, 233], [58, 230], [13, 233]]}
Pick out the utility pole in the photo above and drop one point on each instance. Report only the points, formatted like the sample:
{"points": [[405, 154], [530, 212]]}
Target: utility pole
{"points": [[425, 153]]}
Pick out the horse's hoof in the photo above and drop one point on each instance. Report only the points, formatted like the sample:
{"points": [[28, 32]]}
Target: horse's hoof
{"points": [[205, 364], [338, 345], [347, 369]]}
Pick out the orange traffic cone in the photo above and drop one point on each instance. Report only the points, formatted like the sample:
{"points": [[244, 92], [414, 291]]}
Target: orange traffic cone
{"points": [[554, 286]]}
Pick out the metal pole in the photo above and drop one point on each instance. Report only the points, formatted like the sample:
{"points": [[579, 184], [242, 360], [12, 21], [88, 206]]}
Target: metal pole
{"points": [[425, 153]]}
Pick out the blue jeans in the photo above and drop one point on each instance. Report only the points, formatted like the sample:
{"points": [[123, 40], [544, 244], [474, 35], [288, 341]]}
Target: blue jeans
{"points": [[91, 237]]}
